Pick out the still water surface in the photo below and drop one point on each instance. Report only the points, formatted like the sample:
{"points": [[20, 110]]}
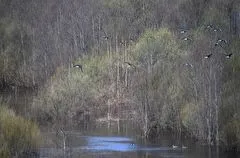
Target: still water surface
{"points": [[85, 145], [104, 142]]}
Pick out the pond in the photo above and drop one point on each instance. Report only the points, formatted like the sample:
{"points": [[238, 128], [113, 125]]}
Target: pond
{"points": [[107, 143]]}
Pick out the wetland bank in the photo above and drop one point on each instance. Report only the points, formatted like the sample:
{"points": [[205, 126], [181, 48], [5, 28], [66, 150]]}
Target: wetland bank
{"points": [[138, 69]]}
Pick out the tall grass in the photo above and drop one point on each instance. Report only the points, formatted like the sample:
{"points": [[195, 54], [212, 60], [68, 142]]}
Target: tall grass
{"points": [[17, 135]]}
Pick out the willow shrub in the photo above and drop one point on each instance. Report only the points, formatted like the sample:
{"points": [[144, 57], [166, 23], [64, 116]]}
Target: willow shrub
{"points": [[157, 55], [72, 91], [17, 134]]}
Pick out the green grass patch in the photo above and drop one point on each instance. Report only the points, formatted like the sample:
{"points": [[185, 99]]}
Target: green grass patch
{"points": [[16, 134]]}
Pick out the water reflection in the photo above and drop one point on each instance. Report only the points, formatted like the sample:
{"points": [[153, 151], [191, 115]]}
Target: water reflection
{"points": [[120, 144], [116, 147], [79, 146]]}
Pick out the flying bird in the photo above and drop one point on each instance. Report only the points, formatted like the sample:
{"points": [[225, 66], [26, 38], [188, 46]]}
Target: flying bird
{"points": [[228, 56], [209, 26], [216, 44], [130, 64], [183, 31], [220, 41], [208, 56], [213, 28], [105, 37], [217, 30], [78, 66], [187, 64], [187, 39], [122, 43]]}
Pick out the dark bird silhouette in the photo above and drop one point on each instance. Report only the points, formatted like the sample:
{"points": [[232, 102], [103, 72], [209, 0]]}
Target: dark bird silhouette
{"points": [[130, 64], [78, 66], [208, 56], [228, 56]]}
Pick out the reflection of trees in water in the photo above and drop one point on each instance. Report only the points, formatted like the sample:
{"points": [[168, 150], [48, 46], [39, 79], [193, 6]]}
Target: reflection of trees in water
{"points": [[82, 119]]}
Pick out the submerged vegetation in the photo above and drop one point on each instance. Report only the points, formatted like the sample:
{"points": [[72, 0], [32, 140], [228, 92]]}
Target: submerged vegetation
{"points": [[166, 65]]}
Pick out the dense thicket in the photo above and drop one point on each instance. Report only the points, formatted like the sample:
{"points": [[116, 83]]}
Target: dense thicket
{"points": [[136, 62], [18, 136]]}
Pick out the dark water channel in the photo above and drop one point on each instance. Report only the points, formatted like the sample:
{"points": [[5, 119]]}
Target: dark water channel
{"points": [[100, 143]]}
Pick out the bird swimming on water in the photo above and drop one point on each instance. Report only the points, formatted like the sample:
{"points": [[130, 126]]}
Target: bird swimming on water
{"points": [[174, 146], [184, 147]]}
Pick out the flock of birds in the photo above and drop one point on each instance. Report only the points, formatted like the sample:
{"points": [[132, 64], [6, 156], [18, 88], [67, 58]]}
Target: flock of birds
{"points": [[219, 42], [79, 66]]}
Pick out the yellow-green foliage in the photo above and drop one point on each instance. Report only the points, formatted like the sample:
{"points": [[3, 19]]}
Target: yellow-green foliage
{"points": [[71, 89], [95, 67], [158, 42], [161, 48], [158, 56], [16, 133], [187, 115]]}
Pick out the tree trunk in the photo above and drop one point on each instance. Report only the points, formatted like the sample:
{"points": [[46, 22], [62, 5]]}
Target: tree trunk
{"points": [[99, 29], [216, 110], [210, 106], [93, 32], [126, 70]]}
